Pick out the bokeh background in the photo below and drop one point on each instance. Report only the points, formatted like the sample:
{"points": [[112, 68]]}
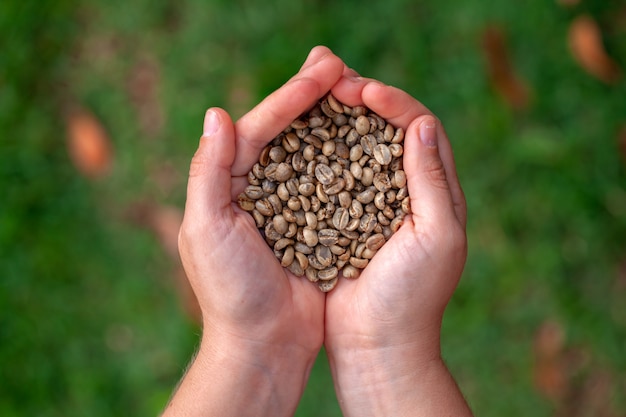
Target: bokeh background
{"points": [[101, 106]]}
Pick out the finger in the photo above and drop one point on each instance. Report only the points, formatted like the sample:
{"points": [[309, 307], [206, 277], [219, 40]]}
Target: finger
{"points": [[208, 189], [431, 199], [314, 55], [392, 104], [349, 88], [349, 72], [399, 109], [456, 192], [256, 128]]}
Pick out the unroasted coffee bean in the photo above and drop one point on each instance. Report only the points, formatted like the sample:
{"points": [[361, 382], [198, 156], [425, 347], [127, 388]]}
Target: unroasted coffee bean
{"points": [[310, 237], [291, 142], [341, 218], [288, 256], [382, 154], [245, 203], [328, 237], [326, 286], [254, 192], [328, 273], [296, 269], [311, 274], [358, 262], [334, 188], [264, 207], [324, 174], [362, 125], [329, 191], [375, 242]]}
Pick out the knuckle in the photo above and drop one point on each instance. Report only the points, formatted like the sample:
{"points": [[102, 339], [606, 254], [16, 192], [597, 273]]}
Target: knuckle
{"points": [[435, 173], [198, 164]]}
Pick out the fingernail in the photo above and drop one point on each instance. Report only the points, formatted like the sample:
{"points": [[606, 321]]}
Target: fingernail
{"points": [[354, 79], [351, 74], [211, 123], [428, 131]]}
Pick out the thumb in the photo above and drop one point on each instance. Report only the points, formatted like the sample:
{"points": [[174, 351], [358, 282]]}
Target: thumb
{"points": [[208, 189], [426, 173]]}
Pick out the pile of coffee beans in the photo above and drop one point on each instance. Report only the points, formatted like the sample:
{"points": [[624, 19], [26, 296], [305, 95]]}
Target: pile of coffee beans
{"points": [[329, 191]]}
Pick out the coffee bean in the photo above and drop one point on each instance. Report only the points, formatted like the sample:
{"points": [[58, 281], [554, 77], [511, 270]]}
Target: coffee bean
{"points": [[329, 191], [311, 274], [328, 273], [341, 218], [291, 142], [362, 125], [324, 174], [245, 202], [254, 192], [375, 242], [350, 272], [328, 237], [288, 256], [326, 286], [358, 262], [382, 154]]}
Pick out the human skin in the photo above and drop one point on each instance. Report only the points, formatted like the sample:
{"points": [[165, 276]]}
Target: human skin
{"points": [[382, 330], [263, 327]]}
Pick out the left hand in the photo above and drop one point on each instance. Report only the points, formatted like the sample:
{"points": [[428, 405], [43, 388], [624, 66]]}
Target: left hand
{"points": [[259, 320]]}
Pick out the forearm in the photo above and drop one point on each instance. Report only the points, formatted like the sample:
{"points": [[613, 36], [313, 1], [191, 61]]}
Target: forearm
{"points": [[235, 382], [373, 383]]}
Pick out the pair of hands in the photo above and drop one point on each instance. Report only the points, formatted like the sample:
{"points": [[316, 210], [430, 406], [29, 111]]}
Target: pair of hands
{"points": [[268, 325]]}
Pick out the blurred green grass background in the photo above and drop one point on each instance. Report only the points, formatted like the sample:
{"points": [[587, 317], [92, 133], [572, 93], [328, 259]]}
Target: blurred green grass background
{"points": [[91, 321]]}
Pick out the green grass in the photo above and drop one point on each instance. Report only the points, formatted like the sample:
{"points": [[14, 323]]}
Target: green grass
{"points": [[89, 319]]}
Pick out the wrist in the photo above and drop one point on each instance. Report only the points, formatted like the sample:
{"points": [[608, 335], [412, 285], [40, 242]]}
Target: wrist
{"points": [[273, 357], [395, 382], [388, 379], [280, 366], [259, 379]]}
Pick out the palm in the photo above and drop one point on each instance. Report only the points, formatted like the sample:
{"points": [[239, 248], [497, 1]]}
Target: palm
{"points": [[400, 285], [356, 308], [248, 289]]}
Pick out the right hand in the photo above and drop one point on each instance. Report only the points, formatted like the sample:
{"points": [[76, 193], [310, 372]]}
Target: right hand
{"points": [[389, 319]]}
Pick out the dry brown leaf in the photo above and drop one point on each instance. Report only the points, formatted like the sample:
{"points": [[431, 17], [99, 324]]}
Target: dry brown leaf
{"points": [[165, 223], [585, 42], [501, 71], [549, 370], [88, 144]]}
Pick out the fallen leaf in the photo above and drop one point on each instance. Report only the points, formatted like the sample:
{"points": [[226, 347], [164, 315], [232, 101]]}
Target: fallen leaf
{"points": [[88, 144], [165, 222], [587, 48], [549, 370], [500, 69]]}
